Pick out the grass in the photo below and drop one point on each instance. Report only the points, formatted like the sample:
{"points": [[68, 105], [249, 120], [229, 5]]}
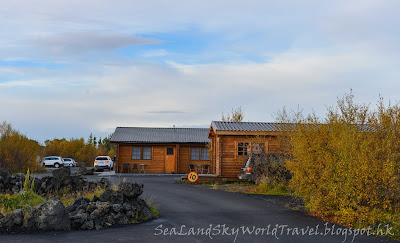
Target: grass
{"points": [[251, 188], [24, 200], [67, 199], [273, 189], [154, 210], [9, 203], [153, 207], [28, 199]]}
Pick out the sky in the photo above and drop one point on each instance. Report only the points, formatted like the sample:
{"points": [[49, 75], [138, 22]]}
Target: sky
{"points": [[71, 68]]}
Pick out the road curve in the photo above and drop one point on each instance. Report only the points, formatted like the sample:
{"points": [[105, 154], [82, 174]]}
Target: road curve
{"points": [[199, 214]]}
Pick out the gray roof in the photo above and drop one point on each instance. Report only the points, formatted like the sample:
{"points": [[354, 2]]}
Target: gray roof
{"points": [[247, 126], [269, 126], [160, 135]]}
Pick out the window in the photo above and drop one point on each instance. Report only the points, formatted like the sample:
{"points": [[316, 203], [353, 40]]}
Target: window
{"points": [[147, 153], [199, 153], [242, 149], [204, 154], [139, 152], [258, 147], [194, 153], [170, 151], [136, 152]]}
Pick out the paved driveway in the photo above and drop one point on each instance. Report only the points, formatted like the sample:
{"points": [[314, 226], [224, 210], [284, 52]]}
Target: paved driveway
{"points": [[219, 214]]}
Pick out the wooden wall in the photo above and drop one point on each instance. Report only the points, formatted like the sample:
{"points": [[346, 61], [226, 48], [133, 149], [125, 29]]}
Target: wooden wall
{"points": [[231, 162], [157, 162], [155, 165], [184, 159]]}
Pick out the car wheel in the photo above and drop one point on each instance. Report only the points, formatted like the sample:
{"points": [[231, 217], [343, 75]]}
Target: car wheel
{"points": [[56, 165]]}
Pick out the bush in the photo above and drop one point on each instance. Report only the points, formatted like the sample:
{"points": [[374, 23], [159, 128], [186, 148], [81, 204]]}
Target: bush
{"points": [[347, 166], [78, 149], [17, 152], [25, 200], [270, 168]]}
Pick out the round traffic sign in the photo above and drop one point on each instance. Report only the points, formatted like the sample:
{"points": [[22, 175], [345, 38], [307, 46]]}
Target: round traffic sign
{"points": [[192, 176]]}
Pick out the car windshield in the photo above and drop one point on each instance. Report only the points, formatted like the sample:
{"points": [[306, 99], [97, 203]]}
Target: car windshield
{"points": [[67, 159], [101, 158]]}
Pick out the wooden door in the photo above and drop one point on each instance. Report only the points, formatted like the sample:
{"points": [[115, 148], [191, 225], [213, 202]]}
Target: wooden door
{"points": [[170, 160]]}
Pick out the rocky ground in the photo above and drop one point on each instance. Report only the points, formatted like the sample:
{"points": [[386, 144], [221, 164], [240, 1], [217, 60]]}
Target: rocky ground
{"points": [[113, 207], [61, 179]]}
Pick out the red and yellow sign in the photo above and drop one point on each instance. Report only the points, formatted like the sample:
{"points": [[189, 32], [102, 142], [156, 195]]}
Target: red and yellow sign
{"points": [[192, 176]]}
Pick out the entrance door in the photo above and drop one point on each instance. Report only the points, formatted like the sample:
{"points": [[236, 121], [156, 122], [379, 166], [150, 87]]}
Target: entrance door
{"points": [[170, 161]]}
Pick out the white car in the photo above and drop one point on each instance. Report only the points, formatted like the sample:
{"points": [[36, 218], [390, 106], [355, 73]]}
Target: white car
{"points": [[103, 162], [54, 161], [69, 162]]}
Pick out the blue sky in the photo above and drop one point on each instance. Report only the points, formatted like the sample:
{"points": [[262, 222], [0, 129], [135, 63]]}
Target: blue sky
{"points": [[71, 68]]}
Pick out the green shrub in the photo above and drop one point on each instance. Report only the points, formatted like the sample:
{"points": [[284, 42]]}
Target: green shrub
{"points": [[9, 203], [265, 187]]}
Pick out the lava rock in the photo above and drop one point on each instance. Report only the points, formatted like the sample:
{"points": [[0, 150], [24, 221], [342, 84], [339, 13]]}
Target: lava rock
{"points": [[95, 198], [4, 174], [85, 171], [117, 208], [132, 190], [78, 202], [78, 220], [113, 197], [50, 215], [15, 218], [61, 173], [88, 225]]}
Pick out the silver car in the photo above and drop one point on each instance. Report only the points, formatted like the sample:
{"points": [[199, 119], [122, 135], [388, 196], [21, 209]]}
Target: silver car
{"points": [[69, 162], [54, 161]]}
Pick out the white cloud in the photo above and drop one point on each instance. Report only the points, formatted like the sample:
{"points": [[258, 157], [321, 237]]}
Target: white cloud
{"points": [[300, 52], [162, 95], [88, 41]]}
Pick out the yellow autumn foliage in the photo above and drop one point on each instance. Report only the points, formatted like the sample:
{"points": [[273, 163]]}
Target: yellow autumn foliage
{"points": [[347, 165], [17, 152]]}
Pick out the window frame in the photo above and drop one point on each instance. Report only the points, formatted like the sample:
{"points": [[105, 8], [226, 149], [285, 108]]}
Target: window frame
{"points": [[200, 157], [207, 153], [191, 153], [151, 152], [260, 147], [141, 153], [170, 148], [245, 149]]}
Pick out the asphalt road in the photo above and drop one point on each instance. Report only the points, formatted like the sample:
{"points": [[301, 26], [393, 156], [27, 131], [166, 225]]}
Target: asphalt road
{"points": [[187, 209]]}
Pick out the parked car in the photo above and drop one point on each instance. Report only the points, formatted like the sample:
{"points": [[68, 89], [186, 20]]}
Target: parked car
{"points": [[103, 162], [69, 162], [54, 161], [264, 165]]}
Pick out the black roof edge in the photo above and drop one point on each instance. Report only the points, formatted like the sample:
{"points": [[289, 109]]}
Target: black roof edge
{"points": [[158, 142]]}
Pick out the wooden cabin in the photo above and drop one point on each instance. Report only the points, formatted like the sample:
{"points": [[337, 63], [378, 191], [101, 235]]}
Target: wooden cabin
{"points": [[160, 150], [233, 142]]}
